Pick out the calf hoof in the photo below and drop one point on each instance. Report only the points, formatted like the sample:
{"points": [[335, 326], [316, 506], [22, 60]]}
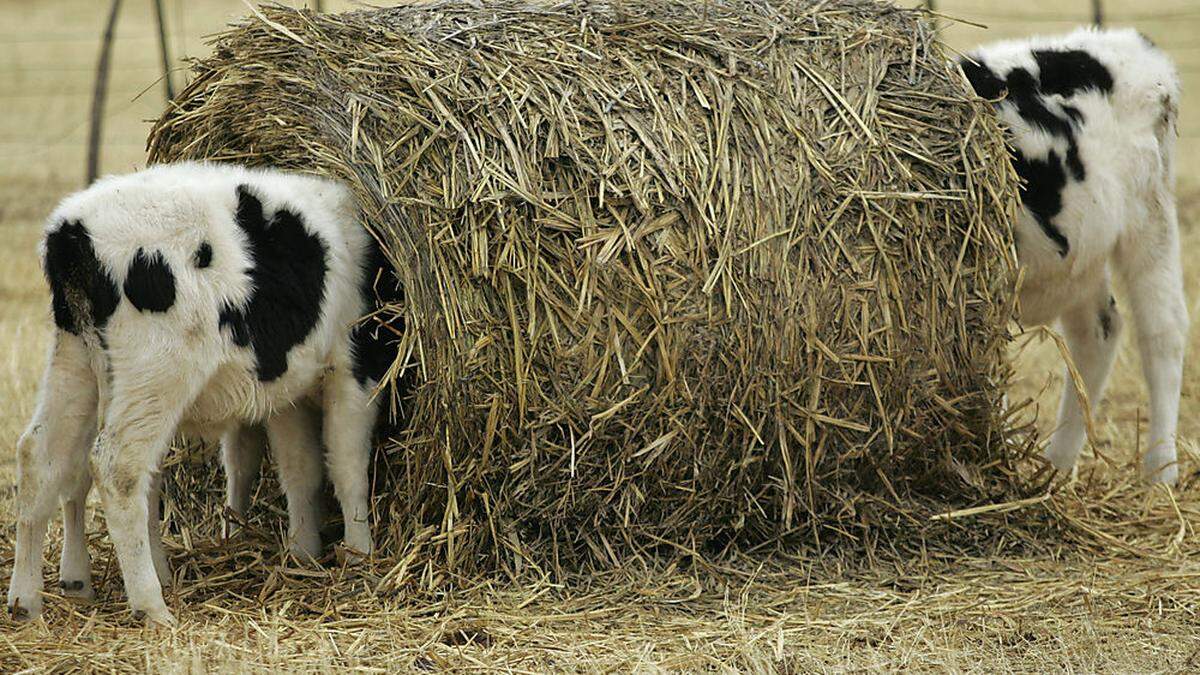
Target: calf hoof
{"points": [[161, 617], [18, 613], [24, 611], [306, 546], [1160, 474], [1063, 459], [1160, 465], [78, 589], [358, 545]]}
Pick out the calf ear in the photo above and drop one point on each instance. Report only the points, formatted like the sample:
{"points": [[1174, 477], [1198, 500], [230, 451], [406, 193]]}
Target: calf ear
{"points": [[249, 210]]}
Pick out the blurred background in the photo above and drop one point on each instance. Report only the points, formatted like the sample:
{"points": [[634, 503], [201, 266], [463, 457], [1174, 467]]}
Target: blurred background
{"points": [[49, 50]]}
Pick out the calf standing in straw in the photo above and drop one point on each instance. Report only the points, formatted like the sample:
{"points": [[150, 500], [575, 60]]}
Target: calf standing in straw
{"points": [[201, 299], [1093, 116]]}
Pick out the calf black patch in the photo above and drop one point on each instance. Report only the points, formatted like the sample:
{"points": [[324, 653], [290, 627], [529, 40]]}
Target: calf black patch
{"points": [[1023, 92], [1074, 163], [150, 285], [1069, 71], [376, 344], [235, 320], [203, 256], [1041, 193], [82, 293], [288, 282]]}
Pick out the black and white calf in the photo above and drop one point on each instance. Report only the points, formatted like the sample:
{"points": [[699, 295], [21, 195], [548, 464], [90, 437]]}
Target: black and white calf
{"points": [[1093, 122], [211, 300]]}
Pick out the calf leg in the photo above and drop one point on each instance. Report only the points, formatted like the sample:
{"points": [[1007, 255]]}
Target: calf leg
{"points": [[349, 421], [1092, 331], [75, 565], [125, 457], [51, 458], [154, 527], [296, 447], [146, 405], [1151, 271], [241, 453]]}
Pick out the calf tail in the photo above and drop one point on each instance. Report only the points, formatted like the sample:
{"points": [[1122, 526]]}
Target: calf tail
{"points": [[83, 293], [1166, 130]]}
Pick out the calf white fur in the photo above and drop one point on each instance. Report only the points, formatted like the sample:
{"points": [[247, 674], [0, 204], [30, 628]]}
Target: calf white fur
{"points": [[1093, 122], [211, 300]]}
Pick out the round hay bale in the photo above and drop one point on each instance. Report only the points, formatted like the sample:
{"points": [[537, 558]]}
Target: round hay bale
{"points": [[678, 273]]}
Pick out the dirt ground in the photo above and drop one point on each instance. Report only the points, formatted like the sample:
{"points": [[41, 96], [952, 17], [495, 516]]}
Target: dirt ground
{"points": [[1115, 586]]}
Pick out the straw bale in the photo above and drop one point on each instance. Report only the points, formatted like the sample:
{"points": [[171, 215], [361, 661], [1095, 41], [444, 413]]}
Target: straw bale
{"points": [[679, 274]]}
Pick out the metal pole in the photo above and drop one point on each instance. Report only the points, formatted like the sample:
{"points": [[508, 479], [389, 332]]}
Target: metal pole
{"points": [[1098, 12], [932, 6], [162, 48], [318, 6], [100, 93]]}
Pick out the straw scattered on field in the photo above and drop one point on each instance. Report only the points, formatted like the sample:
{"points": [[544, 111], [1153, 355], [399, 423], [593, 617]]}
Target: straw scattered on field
{"points": [[1115, 584]]}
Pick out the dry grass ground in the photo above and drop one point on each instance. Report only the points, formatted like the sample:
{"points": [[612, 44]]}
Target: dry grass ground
{"points": [[1101, 575]]}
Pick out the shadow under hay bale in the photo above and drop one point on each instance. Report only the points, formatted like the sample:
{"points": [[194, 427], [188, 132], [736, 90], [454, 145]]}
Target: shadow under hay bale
{"points": [[679, 274]]}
